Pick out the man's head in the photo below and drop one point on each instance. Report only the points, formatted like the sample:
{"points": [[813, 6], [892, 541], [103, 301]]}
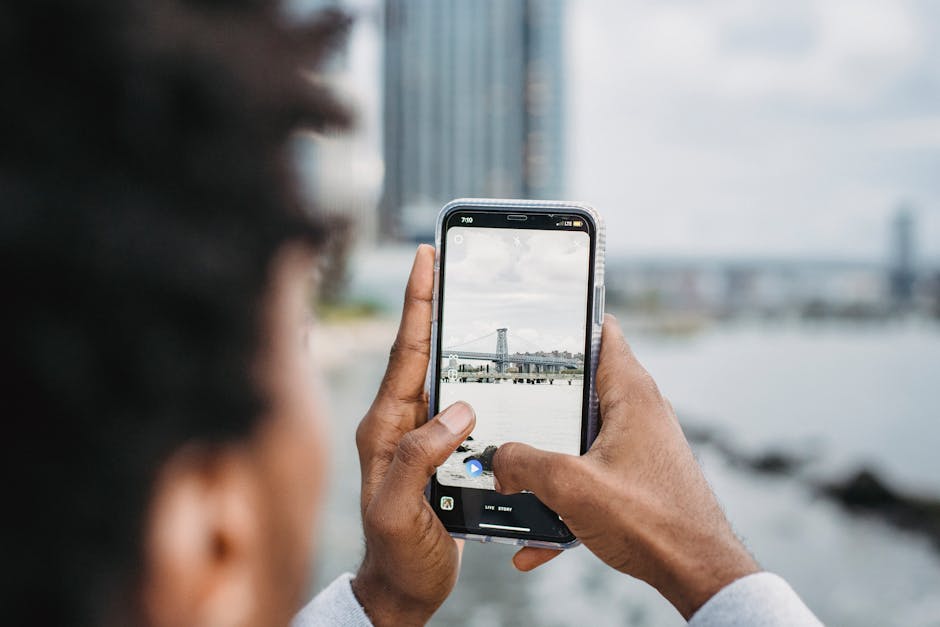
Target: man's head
{"points": [[161, 461]]}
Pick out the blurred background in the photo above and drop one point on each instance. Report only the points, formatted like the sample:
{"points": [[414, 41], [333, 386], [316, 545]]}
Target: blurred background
{"points": [[770, 177]]}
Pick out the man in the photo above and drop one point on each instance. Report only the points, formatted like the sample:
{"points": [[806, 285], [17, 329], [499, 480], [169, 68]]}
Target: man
{"points": [[165, 452]]}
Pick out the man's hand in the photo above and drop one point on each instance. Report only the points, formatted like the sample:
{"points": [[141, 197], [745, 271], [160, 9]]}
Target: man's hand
{"points": [[411, 562], [637, 499]]}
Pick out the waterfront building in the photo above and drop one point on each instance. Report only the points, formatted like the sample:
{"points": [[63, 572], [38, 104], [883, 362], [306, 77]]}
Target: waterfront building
{"points": [[473, 106]]}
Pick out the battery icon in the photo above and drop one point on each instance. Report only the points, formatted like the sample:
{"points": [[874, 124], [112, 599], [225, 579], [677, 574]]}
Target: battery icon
{"points": [[576, 223]]}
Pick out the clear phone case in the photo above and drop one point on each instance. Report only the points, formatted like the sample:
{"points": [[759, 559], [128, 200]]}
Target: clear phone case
{"points": [[597, 308]]}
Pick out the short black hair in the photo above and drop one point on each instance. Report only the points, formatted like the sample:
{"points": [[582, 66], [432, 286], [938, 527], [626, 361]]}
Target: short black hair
{"points": [[146, 184]]}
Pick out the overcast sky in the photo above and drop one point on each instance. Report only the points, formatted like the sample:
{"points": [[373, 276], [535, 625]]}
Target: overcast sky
{"points": [[755, 127], [532, 282], [733, 127]]}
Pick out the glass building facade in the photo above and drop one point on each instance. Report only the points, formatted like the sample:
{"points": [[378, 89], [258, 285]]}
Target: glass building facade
{"points": [[473, 106]]}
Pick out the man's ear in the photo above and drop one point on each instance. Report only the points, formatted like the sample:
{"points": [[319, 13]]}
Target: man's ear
{"points": [[202, 545]]}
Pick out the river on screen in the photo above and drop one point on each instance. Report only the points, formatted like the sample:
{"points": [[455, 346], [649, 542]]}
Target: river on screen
{"points": [[544, 415]]}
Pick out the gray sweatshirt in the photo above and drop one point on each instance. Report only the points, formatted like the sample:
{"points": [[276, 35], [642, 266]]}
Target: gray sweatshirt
{"points": [[759, 600]]}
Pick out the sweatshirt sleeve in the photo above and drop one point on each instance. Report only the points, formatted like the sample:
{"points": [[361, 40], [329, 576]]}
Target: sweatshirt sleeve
{"points": [[758, 600], [336, 605]]}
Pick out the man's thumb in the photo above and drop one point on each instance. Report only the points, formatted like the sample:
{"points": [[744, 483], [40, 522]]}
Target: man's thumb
{"points": [[521, 467], [421, 451]]}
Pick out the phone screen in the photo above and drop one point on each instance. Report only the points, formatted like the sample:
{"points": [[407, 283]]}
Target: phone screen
{"points": [[514, 328]]}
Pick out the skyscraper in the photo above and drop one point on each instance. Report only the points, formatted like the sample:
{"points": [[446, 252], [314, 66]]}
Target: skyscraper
{"points": [[473, 106]]}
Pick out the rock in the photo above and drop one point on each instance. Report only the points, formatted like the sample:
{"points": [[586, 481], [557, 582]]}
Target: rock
{"points": [[775, 462], [486, 458], [868, 494], [772, 461], [863, 490]]}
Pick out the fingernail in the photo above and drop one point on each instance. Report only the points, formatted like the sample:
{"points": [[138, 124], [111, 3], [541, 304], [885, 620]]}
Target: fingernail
{"points": [[457, 417]]}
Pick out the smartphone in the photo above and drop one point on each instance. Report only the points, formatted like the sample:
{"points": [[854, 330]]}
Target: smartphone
{"points": [[518, 309]]}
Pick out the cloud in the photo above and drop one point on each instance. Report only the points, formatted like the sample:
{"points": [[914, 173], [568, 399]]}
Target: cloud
{"points": [[755, 127], [814, 52], [532, 282]]}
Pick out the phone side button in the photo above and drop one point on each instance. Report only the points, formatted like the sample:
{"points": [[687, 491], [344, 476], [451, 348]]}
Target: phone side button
{"points": [[599, 304]]}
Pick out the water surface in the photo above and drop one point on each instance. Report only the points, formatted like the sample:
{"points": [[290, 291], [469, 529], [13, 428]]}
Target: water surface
{"points": [[849, 395]]}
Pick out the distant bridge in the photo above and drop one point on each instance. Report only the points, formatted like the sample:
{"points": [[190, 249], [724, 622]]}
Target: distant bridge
{"points": [[514, 377], [502, 358]]}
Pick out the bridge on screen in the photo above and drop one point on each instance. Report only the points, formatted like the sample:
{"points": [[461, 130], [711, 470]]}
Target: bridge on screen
{"points": [[525, 363]]}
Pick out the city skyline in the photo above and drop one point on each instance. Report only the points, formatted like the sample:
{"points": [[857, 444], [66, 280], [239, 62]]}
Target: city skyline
{"points": [[728, 129]]}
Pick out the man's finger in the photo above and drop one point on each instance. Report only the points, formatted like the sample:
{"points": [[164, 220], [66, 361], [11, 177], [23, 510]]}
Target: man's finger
{"points": [[421, 451], [408, 362], [621, 379], [529, 558], [460, 545], [553, 477]]}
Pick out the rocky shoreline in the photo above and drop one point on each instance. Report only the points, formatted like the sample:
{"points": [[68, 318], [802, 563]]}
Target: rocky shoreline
{"points": [[862, 492]]}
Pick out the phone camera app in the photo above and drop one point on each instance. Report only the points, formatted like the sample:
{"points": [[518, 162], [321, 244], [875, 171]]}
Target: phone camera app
{"points": [[512, 343]]}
